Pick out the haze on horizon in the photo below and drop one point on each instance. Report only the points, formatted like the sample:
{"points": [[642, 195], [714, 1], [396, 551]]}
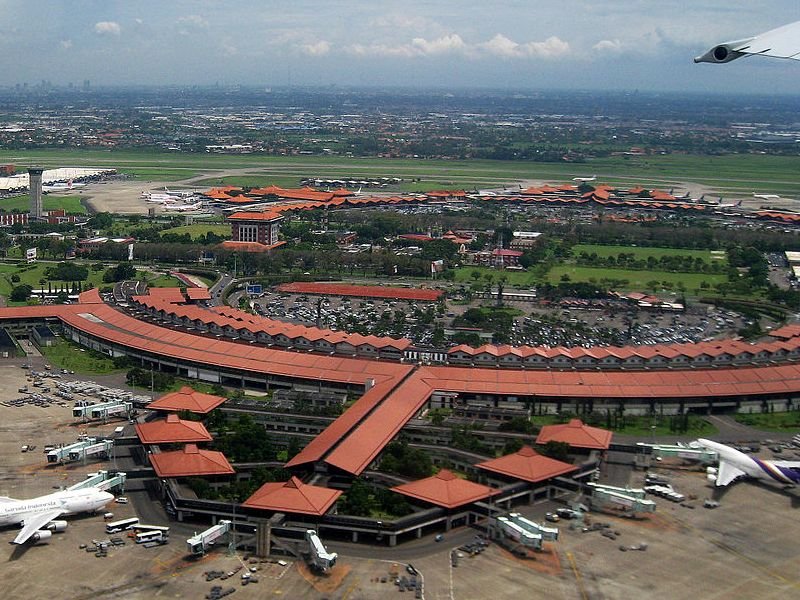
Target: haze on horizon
{"points": [[515, 44]]}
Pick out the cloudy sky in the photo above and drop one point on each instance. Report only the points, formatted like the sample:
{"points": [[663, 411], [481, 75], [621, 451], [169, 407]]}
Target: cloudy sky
{"points": [[603, 44]]}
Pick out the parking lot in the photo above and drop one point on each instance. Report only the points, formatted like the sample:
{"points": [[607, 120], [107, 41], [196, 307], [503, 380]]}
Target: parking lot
{"points": [[603, 323]]}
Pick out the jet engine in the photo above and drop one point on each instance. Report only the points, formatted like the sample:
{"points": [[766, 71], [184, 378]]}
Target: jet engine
{"points": [[711, 474], [723, 53], [57, 526], [41, 535]]}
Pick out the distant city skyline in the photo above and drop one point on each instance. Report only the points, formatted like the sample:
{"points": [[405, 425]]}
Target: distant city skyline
{"points": [[610, 45]]}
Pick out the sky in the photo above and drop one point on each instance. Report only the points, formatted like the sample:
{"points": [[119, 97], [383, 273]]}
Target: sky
{"points": [[504, 44]]}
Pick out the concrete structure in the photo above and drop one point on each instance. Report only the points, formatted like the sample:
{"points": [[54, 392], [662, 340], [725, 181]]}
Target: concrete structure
{"points": [[259, 227], [35, 175]]}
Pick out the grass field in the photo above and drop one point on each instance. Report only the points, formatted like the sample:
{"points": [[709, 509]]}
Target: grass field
{"points": [[637, 280], [644, 252], [67, 355], [251, 181], [743, 173], [780, 421], [514, 278], [72, 204], [31, 274], [164, 281]]}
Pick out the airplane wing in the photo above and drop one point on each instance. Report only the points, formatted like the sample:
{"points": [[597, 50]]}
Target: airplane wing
{"points": [[727, 473], [34, 523], [783, 42]]}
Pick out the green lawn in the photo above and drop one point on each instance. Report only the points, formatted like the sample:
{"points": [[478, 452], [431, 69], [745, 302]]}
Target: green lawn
{"points": [[514, 278], [31, 274], [252, 181], [68, 355], [644, 252], [72, 204], [636, 280], [198, 229], [164, 281], [645, 427], [780, 421]]}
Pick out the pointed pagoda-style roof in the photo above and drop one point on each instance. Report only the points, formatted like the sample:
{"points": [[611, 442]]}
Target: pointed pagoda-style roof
{"points": [[576, 434], [528, 465], [187, 399], [445, 489], [293, 496], [190, 462], [172, 430]]}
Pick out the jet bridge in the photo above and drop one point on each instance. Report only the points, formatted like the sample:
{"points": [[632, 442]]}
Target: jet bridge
{"points": [[199, 543], [702, 455], [102, 480], [512, 531], [320, 558], [630, 501], [60, 455], [101, 449], [549, 534]]}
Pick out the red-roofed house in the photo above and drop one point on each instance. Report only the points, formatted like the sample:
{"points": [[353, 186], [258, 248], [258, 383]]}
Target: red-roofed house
{"points": [[445, 489], [172, 430], [187, 399], [190, 462], [576, 434], [293, 496], [528, 465]]}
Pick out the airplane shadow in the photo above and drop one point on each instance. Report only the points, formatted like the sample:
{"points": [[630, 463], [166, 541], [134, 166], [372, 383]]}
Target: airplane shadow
{"points": [[19, 552], [791, 493]]}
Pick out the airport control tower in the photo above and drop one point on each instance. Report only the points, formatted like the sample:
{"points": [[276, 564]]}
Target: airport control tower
{"points": [[35, 187]]}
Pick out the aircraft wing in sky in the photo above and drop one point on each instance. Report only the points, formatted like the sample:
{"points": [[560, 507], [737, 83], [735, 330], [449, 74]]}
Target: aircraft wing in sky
{"points": [[783, 42], [34, 522]]}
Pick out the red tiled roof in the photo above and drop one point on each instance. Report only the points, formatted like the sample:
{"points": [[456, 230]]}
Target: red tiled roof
{"points": [[254, 216], [528, 465], [172, 430], [190, 462], [249, 246], [445, 489], [90, 297], [293, 496], [187, 399], [362, 291], [576, 434], [196, 293], [167, 294]]}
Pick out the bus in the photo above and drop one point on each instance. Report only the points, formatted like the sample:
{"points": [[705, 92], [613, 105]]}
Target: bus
{"points": [[122, 525], [151, 536], [143, 527]]}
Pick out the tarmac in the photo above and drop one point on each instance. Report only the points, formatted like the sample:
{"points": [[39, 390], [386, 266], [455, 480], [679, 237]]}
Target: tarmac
{"points": [[746, 548]]}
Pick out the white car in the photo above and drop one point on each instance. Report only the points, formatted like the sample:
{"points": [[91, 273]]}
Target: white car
{"points": [[121, 500]]}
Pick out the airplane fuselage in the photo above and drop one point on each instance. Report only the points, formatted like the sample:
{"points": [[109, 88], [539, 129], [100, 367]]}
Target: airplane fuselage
{"points": [[13, 512], [781, 471]]}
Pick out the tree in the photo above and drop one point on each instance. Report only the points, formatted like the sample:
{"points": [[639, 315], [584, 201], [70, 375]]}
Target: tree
{"points": [[121, 272], [101, 220], [21, 293]]}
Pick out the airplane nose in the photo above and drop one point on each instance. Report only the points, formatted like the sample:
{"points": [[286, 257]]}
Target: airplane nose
{"points": [[106, 497]]}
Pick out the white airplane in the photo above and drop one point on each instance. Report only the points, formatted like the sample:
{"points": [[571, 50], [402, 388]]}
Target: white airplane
{"points": [[766, 196], [37, 515], [734, 464], [159, 198], [584, 179], [61, 187], [783, 42], [183, 207], [179, 193]]}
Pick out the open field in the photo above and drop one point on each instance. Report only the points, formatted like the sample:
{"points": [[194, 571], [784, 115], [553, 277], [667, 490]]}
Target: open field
{"points": [[72, 204], [514, 278], [787, 422], [636, 280], [736, 173], [67, 355], [644, 252]]}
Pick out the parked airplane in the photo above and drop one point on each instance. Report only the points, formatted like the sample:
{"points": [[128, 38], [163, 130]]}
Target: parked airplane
{"points": [[61, 187], [584, 179], [183, 207], [783, 42], [766, 196], [734, 464], [37, 514]]}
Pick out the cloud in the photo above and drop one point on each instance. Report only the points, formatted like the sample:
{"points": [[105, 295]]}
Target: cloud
{"points": [[194, 21], [498, 46], [504, 47], [608, 46], [66, 44], [107, 28], [321, 48]]}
